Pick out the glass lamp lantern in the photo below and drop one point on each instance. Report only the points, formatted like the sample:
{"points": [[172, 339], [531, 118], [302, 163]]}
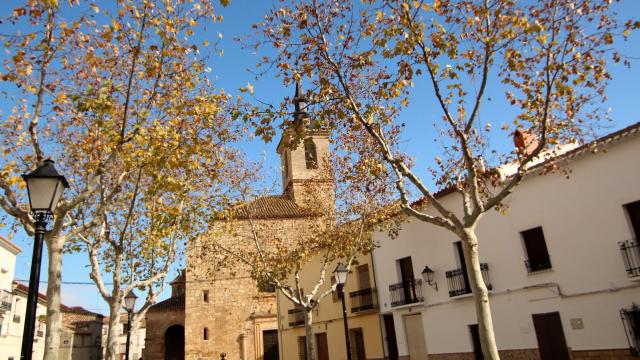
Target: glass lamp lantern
{"points": [[45, 186], [340, 274], [130, 301]]}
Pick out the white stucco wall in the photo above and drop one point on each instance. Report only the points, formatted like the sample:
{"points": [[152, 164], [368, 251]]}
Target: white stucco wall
{"points": [[582, 219], [11, 339], [8, 252]]}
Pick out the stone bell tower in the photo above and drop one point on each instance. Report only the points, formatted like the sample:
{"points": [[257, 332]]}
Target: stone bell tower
{"points": [[306, 171]]}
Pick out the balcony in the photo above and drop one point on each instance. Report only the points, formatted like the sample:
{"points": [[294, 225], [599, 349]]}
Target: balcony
{"points": [[40, 330], [630, 250], [296, 317], [5, 300], [362, 300], [459, 283], [406, 292]]}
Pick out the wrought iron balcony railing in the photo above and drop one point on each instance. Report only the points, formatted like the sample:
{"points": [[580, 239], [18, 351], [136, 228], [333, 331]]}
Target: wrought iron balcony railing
{"points": [[630, 250], [296, 317], [362, 300], [406, 292], [5, 300], [459, 283], [537, 266]]}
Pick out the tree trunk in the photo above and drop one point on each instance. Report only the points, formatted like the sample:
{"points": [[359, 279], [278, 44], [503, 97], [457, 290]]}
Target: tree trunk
{"points": [[54, 317], [480, 295], [111, 345], [308, 331]]}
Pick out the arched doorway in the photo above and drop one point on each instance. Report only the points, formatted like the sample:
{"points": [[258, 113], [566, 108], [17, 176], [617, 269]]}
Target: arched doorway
{"points": [[174, 343]]}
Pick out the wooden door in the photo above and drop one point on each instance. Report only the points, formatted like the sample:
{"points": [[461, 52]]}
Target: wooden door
{"points": [[270, 344], [390, 331], [415, 337], [323, 346], [356, 340], [551, 342], [364, 281], [475, 342]]}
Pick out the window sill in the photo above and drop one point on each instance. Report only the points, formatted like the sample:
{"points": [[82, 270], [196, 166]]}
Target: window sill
{"points": [[364, 312], [540, 271]]}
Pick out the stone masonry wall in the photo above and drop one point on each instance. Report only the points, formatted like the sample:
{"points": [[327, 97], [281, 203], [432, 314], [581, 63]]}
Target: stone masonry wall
{"points": [[157, 323], [236, 312]]}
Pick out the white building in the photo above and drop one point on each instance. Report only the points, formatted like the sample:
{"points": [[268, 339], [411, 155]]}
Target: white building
{"points": [[562, 265], [13, 300]]}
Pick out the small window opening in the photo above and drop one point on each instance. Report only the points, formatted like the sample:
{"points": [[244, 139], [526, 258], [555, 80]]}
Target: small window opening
{"points": [[286, 163], [206, 334], [310, 154], [536, 248], [205, 296]]}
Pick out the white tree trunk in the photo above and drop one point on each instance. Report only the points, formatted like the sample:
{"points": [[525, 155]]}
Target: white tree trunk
{"points": [[111, 345], [54, 317], [480, 295], [308, 331]]}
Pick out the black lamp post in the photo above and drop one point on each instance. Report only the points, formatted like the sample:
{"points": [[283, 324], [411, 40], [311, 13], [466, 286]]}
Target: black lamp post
{"points": [[45, 187], [340, 274], [129, 303]]}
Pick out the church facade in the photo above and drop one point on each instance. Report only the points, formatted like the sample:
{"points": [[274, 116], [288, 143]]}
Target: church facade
{"points": [[224, 309]]}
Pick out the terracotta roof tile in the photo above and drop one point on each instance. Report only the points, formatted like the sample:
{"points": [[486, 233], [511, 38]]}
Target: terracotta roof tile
{"points": [[172, 303], [273, 207]]}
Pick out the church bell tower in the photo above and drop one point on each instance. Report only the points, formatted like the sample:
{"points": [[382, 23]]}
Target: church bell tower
{"points": [[305, 163]]}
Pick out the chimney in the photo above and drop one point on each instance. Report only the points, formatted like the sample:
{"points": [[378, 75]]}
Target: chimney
{"points": [[525, 141]]}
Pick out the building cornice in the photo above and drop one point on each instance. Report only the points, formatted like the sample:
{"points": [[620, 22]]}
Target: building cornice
{"points": [[13, 248]]}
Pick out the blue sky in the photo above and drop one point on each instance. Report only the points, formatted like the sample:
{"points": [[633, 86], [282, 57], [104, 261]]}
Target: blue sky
{"points": [[230, 72]]}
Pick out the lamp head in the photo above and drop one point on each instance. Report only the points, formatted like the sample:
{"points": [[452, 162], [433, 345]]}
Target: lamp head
{"points": [[45, 186], [340, 274], [427, 275], [130, 301]]}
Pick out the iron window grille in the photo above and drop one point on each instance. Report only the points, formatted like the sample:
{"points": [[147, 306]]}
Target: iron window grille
{"points": [[459, 282], [362, 300], [296, 317], [537, 266], [631, 323], [406, 292], [630, 250], [5, 300]]}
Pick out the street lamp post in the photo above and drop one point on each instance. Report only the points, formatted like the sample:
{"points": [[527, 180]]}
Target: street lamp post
{"points": [[129, 303], [340, 274], [44, 187]]}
